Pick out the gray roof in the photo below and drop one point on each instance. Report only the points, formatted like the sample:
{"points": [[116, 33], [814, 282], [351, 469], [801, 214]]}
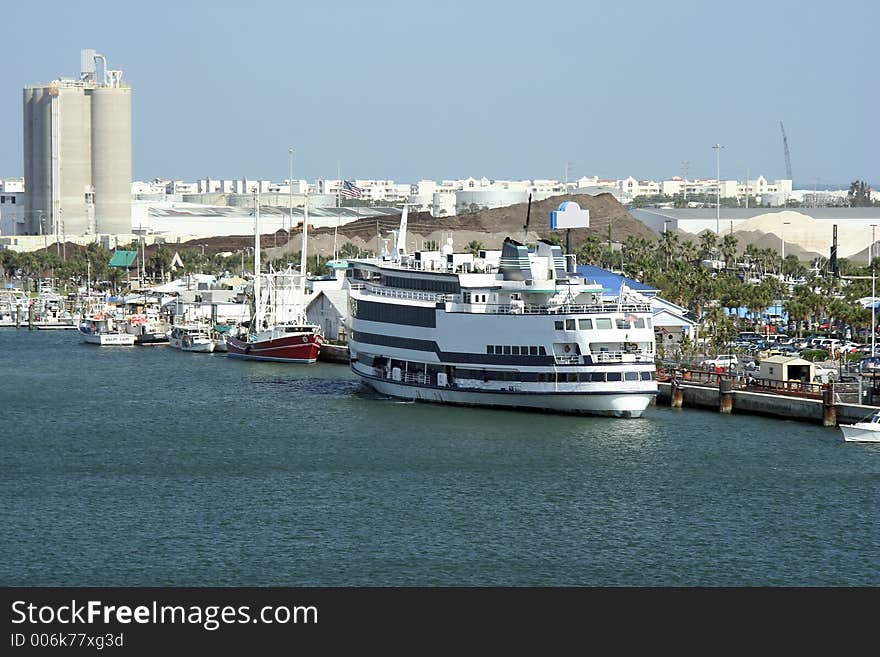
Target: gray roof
{"points": [[747, 213]]}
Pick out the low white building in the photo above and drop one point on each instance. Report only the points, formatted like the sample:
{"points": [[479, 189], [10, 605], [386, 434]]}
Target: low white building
{"points": [[12, 214]]}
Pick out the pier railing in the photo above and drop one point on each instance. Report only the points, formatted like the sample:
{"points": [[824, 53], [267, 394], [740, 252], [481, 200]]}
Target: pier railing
{"points": [[711, 378]]}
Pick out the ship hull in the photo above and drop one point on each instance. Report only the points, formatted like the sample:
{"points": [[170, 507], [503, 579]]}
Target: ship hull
{"points": [[109, 339], [611, 404], [297, 348]]}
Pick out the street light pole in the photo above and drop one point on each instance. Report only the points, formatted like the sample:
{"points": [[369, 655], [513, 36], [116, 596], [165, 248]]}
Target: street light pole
{"points": [[873, 293], [784, 224], [718, 148], [290, 195]]}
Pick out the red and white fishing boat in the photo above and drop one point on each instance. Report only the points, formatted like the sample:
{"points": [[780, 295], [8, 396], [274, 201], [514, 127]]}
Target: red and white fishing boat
{"points": [[279, 330], [282, 343]]}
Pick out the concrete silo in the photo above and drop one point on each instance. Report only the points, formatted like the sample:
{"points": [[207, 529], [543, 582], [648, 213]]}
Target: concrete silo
{"points": [[77, 153], [73, 166], [111, 158]]}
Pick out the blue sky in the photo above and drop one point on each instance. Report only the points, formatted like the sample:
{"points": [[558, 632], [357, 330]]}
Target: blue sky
{"points": [[411, 89]]}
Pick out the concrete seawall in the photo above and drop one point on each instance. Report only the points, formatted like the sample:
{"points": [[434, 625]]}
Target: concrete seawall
{"points": [[760, 403]]}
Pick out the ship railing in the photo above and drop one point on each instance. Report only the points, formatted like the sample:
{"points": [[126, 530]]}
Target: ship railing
{"points": [[396, 293], [567, 359], [622, 356], [533, 309], [414, 377]]}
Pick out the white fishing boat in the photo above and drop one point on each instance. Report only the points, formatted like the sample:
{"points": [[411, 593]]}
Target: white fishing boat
{"points": [[14, 308], [101, 329], [191, 337], [866, 431]]}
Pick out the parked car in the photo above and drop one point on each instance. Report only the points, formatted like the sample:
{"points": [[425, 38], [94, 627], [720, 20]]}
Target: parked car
{"points": [[722, 360]]}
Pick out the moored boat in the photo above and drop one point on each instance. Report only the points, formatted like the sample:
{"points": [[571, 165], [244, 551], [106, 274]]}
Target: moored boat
{"points": [[509, 329], [101, 329], [866, 431], [278, 330], [191, 337]]}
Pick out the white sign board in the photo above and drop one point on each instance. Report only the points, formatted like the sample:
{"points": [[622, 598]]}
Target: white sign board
{"points": [[569, 215]]}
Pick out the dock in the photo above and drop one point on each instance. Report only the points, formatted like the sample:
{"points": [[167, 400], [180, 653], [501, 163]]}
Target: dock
{"points": [[828, 404]]}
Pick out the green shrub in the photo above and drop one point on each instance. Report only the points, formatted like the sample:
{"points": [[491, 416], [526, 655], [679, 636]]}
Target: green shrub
{"points": [[814, 354]]}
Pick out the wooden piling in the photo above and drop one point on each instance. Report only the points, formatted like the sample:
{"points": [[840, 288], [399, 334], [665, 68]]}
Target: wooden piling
{"points": [[676, 395], [829, 410], [725, 395]]}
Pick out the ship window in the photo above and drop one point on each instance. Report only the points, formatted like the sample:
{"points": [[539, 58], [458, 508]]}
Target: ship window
{"points": [[623, 324], [639, 323], [614, 376], [603, 323], [542, 351], [570, 325], [632, 376], [584, 377], [524, 351], [507, 350], [571, 377], [533, 351], [648, 322], [585, 324], [597, 377], [647, 376], [515, 350], [490, 349], [498, 349], [559, 324]]}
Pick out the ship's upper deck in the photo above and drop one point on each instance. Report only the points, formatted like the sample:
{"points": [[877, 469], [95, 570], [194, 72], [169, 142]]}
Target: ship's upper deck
{"points": [[512, 280]]}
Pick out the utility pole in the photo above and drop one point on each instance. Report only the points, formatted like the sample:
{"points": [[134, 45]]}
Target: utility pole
{"points": [[718, 148], [290, 194], [685, 168], [873, 295]]}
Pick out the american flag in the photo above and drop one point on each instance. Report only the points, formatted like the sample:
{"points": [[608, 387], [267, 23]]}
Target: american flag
{"points": [[349, 190]]}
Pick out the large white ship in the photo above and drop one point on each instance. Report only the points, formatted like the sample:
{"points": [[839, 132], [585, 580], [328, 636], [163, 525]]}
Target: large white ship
{"points": [[504, 328]]}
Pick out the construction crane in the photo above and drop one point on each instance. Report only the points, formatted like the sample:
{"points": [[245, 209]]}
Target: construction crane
{"points": [[787, 154]]}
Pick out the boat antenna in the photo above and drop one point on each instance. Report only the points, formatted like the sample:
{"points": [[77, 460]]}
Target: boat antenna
{"points": [[528, 215], [257, 309]]}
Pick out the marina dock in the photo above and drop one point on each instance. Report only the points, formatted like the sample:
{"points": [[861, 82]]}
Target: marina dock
{"points": [[827, 404]]}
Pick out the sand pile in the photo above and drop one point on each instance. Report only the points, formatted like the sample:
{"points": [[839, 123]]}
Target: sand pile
{"points": [[806, 233]]}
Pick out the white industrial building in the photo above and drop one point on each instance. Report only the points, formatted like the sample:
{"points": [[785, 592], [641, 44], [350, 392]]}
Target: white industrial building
{"points": [[12, 215]]}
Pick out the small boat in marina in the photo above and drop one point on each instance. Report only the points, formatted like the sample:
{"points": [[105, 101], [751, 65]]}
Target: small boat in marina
{"points": [[101, 329], [865, 431], [147, 329], [191, 337], [332, 352]]}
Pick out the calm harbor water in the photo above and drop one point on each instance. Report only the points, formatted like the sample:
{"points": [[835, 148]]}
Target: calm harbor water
{"points": [[149, 466]]}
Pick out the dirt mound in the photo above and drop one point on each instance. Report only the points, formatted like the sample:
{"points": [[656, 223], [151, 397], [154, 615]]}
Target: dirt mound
{"points": [[489, 227], [770, 241]]}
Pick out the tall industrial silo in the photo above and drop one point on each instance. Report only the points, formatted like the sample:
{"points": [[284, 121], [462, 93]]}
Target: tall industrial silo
{"points": [[77, 152], [27, 111], [73, 117], [111, 158]]}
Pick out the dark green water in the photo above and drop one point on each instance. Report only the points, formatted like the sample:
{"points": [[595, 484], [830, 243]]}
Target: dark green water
{"points": [[148, 466]]}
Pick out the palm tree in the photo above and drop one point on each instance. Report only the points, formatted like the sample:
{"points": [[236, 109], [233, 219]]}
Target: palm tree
{"points": [[474, 247], [708, 242], [669, 245], [689, 251], [729, 244]]}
